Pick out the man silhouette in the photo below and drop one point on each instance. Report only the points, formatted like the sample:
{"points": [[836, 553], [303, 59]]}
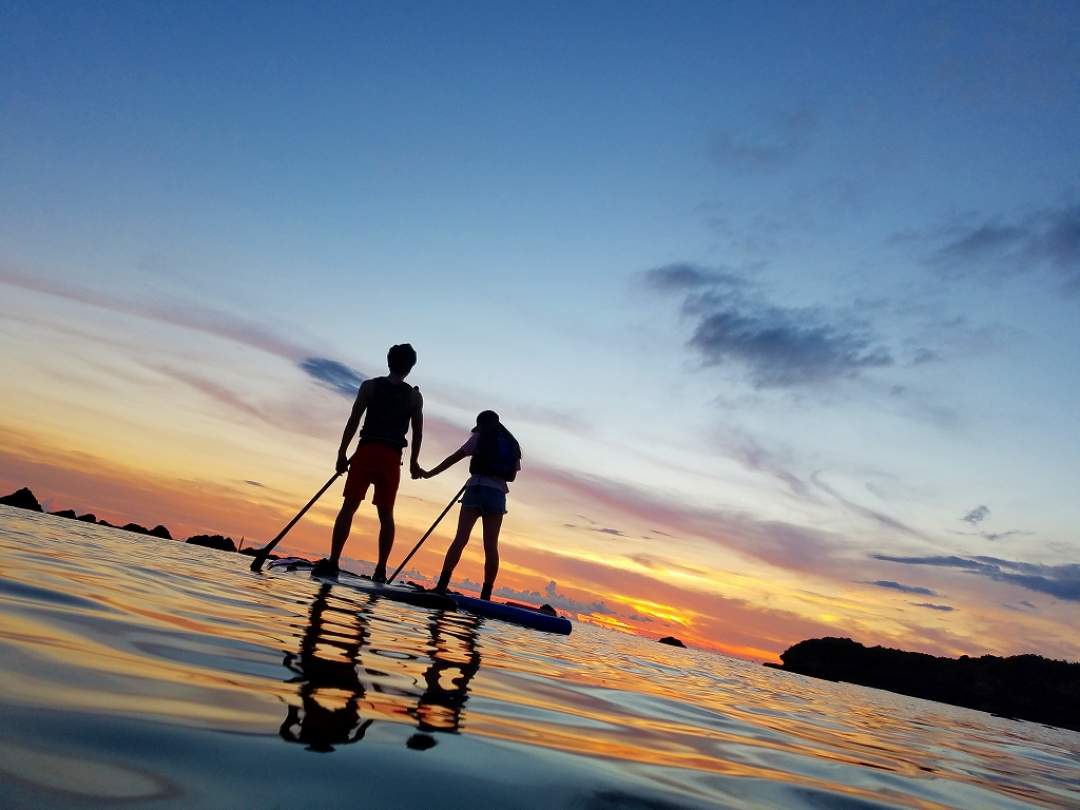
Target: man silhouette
{"points": [[391, 406]]}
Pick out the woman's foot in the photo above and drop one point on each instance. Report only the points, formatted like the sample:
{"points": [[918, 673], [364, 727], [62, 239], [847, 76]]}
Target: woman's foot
{"points": [[486, 592], [379, 576]]}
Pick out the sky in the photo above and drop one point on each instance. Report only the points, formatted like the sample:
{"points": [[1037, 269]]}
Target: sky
{"points": [[782, 300]]}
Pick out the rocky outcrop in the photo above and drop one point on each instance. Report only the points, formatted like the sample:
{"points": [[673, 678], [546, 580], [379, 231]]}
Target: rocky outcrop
{"points": [[1026, 687], [212, 541], [22, 499], [672, 641]]}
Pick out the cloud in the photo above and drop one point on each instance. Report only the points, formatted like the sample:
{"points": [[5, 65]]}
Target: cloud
{"points": [[899, 586], [1059, 581], [654, 563], [880, 518], [752, 455], [336, 376], [993, 536], [551, 596], [777, 346], [683, 276], [227, 325], [977, 515], [1048, 239], [931, 606], [1020, 605], [608, 530], [210, 388], [778, 543], [780, 144]]}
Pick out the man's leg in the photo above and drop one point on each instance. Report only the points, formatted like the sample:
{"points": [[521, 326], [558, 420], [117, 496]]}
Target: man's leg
{"points": [[466, 520], [386, 540], [492, 524], [342, 526]]}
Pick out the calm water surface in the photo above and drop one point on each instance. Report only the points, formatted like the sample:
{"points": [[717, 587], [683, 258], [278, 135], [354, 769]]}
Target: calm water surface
{"points": [[148, 672]]}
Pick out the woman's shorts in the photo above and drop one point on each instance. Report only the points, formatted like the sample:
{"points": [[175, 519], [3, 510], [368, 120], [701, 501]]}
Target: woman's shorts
{"points": [[488, 500]]}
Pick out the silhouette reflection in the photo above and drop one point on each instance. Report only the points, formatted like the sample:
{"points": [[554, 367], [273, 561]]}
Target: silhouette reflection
{"points": [[340, 676]]}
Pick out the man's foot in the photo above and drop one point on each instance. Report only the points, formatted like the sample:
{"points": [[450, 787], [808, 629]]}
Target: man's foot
{"points": [[324, 568], [443, 584], [485, 594]]}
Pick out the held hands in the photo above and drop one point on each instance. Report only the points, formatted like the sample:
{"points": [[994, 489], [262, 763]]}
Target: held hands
{"points": [[415, 470]]}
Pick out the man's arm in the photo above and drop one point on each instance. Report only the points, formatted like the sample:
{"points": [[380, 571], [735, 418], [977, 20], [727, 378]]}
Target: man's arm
{"points": [[358, 409], [417, 433]]}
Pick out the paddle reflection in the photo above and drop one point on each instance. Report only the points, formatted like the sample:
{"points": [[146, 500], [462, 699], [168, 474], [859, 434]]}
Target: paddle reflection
{"points": [[345, 682]]}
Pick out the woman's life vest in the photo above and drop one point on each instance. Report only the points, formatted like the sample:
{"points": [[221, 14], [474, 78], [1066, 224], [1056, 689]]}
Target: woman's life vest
{"points": [[497, 454], [389, 411]]}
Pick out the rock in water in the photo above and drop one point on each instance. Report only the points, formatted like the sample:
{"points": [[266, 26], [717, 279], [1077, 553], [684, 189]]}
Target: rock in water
{"points": [[66, 513], [212, 541], [674, 642], [87, 518], [22, 499], [160, 531], [135, 527]]}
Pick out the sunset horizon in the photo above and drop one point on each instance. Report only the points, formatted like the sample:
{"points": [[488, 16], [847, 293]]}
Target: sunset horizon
{"points": [[618, 404]]}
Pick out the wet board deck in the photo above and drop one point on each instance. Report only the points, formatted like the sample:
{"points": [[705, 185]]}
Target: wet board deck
{"points": [[398, 593], [526, 617]]}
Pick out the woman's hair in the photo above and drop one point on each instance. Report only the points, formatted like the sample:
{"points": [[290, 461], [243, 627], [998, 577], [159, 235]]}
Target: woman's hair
{"points": [[488, 424]]}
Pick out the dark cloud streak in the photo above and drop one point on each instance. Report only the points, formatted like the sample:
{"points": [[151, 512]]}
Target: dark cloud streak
{"points": [[1059, 581], [977, 515], [338, 377], [899, 586], [777, 346], [1047, 239]]}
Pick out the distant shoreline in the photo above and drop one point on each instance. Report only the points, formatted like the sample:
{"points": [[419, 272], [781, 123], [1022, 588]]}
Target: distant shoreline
{"points": [[1021, 687], [24, 498]]}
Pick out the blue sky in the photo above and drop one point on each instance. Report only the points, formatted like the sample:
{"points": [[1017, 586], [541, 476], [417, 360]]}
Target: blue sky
{"points": [[816, 264]]}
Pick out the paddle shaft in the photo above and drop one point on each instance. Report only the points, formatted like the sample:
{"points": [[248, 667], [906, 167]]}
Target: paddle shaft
{"points": [[427, 534], [264, 552]]}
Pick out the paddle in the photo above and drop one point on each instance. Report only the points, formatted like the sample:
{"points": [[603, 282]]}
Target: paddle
{"points": [[420, 542], [264, 552]]}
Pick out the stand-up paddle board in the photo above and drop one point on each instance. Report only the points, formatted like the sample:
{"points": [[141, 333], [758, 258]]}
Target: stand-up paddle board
{"points": [[515, 614], [399, 593]]}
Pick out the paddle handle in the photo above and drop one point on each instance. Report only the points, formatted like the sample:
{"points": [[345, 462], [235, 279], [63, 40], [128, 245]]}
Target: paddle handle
{"points": [[427, 534], [264, 552]]}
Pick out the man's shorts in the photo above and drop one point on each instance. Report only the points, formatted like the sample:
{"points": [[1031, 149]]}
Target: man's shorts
{"points": [[377, 465], [488, 500]]}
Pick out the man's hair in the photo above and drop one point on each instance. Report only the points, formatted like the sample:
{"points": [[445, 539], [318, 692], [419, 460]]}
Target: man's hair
{"points": [[401, 358]]}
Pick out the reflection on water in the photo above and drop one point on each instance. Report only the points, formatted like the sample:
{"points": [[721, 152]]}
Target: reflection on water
{"points": [[335, 683], [149, 672]]}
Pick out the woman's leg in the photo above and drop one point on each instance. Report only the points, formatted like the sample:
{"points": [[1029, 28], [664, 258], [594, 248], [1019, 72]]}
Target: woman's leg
{"points": [[492, 525], [466, 520]]}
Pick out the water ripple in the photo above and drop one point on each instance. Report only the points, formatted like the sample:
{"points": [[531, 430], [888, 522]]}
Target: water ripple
{"points": [[151, 672]]}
